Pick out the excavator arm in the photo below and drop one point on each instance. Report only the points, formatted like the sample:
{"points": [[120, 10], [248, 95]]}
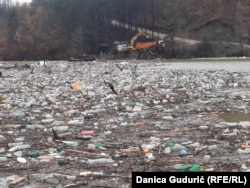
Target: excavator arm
{"points": [[138, 45], [139, 33]]}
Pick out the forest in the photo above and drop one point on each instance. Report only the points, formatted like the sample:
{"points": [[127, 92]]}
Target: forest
{"points": [[58, 29]]}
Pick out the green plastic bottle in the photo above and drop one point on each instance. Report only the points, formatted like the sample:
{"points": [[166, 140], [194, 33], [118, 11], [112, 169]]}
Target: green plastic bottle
{"points": [[33, 154], [59, 149], [195, 168], [170, 144], [98, 145], [62, 162], [183, 168]]}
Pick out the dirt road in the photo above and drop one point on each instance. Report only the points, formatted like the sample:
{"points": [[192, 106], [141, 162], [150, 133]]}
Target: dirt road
{"points": [[183, 40]]}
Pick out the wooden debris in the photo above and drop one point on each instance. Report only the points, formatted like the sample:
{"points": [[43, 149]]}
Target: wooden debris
{"points": [[121, 69], [15, 182], [32, 71], [111, 86], [55, 135]]}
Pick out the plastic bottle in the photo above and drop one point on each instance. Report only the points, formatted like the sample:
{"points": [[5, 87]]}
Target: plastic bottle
{"points": [[15, 148], [46, 158], [195, 145], [175, 146], [3, 159], [87, 133], [20, 139], [183, 152], [183, 168], [170, 144], [33, 154], [76, 122], [88, 173], [15, 144], [203, 127], [100, 145], [178, 146], [62, 162], [195, 168], [71, 143], [59, 149], [30, 126], [61, 128], [24, 146], [99, 161]]}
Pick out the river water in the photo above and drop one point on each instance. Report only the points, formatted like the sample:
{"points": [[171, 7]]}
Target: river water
{"points": [[230, 64]]}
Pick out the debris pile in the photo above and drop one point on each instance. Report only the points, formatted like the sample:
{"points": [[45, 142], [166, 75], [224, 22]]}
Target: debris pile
{"points": [[91, 124]]}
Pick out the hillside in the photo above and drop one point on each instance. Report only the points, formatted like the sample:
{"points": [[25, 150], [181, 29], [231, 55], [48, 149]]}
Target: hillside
{"points": [[224, 24], [218, 20], [58, 29]]}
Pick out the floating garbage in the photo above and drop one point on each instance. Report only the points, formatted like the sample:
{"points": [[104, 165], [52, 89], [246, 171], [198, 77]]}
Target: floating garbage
{"points": [[88, 133], [21, 160], [149, 157], [167, 118], [182, 168], [45, 158], [33, 154], [183, 152], [99, 161], [243, 151], [71, 143], [77, 86], [90, 173], [2, 137], [195, 168], [19, 147], [62, 162], [207, 158], [3, 159]]}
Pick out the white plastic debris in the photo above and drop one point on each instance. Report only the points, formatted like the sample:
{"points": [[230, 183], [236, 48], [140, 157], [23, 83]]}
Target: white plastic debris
{"points": [[21, 160]]}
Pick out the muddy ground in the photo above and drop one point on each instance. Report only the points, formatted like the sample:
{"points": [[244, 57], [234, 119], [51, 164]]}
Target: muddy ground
{"points": [[161, 115]]}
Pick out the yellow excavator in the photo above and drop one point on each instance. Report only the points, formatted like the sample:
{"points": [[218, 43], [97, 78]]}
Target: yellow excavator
{"points": [[140, 41]]}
